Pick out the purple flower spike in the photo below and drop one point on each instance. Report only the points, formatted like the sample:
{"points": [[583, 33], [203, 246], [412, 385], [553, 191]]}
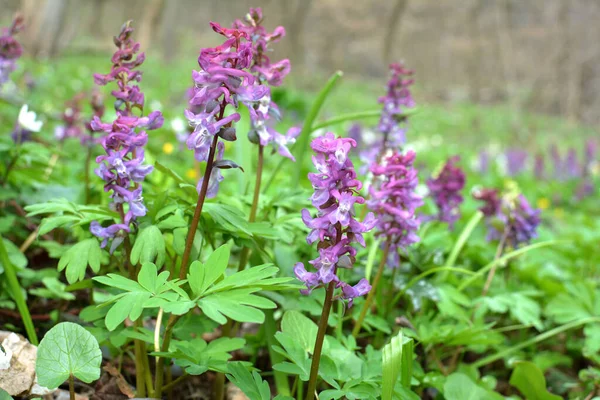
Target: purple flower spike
{"points": [[123, 168], [334, 225], [223, 80], [394, 200], [263, 111], [508, 217], [445, 190], [10, 49], [392, 123], [515, 161]]}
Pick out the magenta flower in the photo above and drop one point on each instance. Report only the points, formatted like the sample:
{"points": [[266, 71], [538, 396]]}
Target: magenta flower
{"points": [[335, 225], [394, 200], [10, 48], [71, 126], [445, 189], [123, 168]]}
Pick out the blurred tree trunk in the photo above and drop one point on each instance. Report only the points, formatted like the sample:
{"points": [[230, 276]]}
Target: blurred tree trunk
{"points": [[149, 22], [52, 21], [169, 30], [296, 30], [392, 27], [96, 25]]}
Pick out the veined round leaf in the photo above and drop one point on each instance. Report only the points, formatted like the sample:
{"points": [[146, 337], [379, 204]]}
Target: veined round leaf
{"points": [[67, 349]]}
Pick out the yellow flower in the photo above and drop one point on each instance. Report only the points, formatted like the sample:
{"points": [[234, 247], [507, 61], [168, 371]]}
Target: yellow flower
{"points": [[168, 148], [191, 173], [543, 203]]}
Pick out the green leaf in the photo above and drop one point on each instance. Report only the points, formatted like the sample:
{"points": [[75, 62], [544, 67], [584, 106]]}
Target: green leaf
{"points": [[55, 289], [197, 357], [78, 257], [201, 276], [397, 362], [4, 395], [530, 381], [459, 386], [302, 329], [238, 304], [16, 258], [67, 350], [250, 383], [149, 246]]}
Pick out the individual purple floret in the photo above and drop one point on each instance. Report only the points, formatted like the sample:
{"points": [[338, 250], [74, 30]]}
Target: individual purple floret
{"points": [[394, 201], [572, 167], [557, 161], [71, 120], [392, 123], [334, 226], [515, 161], [445, 189], [484, 161], [509, 217], [223, 80], [539, 168], [10, 48], [123, 168], [264, 112]]}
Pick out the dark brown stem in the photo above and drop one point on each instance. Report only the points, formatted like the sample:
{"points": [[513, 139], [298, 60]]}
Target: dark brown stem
{"points": [[371, 295], [71, 387], [259, 167], [189, 242], [492, 272], [9, 167], [314, 366]]}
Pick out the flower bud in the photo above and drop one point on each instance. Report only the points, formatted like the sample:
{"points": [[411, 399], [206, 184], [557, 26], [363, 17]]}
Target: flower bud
{"points": [[228, 134]]}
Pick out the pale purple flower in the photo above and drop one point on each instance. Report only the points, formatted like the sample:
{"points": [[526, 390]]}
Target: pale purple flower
{"points": [[123, 168], [515, 161], [10, 48], [508, 217], [334, 225]]}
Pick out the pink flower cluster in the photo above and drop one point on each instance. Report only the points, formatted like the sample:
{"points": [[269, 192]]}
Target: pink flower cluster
{"points": [[334, 226], [10, 49], [394, 200], [445, 189]]}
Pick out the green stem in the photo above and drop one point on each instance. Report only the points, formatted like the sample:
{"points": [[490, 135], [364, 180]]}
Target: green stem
{"points": [[371, 295], [259, 168], [219, 386], [189, 242], [505, 258], [140, 365], [316, 359], [13, 282], [160, 365], [539, 338], [88, 161], [462, 239], [172, 384], [357, 116]]}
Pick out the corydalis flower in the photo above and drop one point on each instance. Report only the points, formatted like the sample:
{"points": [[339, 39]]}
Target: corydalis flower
{"points": [[392, 123], [264, 112], [509, 217], [123, 168], [71, 120], [10, 49], [445, 189], [223, 80], [334, 226], [515, 161], [394, 200]]}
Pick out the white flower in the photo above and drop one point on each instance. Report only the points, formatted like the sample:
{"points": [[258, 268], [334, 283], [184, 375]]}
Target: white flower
{"points": [[178, 125], [27, 120]]}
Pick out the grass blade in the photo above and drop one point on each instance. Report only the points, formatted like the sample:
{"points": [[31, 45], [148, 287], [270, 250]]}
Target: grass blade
{"points": [[505, 258], [358, 116], [307, 128], [397, 362], [11, 276], [462, 239]]}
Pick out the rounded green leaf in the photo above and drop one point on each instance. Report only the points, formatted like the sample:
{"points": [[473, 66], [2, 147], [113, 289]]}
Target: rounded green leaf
{"points": [[67, 349]]}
